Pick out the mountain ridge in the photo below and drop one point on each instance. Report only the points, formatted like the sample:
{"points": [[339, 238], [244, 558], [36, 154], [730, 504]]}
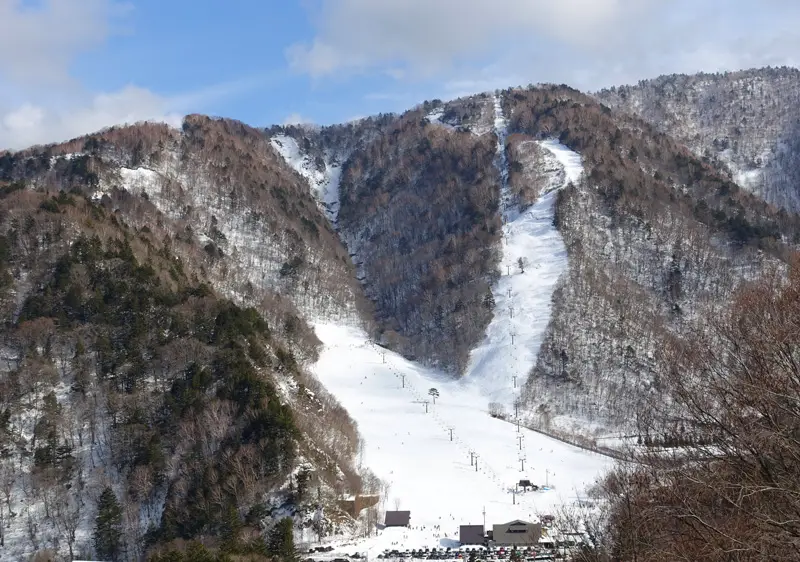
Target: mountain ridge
{"points": [[395, 224]]}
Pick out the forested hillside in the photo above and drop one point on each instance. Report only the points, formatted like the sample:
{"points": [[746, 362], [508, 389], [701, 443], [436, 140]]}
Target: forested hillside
{"points": [[747, 122], [217, 185], [656, 238], [728, 491], [138, 404], [158, 286], [418, 209]]}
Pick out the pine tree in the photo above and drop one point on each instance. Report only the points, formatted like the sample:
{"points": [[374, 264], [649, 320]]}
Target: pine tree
{"points": [[108, 526], [281, 541], [231, 528]]}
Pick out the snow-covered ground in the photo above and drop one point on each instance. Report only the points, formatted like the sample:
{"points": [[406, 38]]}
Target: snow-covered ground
{"points": [[426, 452], [324, 183], [429, 474]]}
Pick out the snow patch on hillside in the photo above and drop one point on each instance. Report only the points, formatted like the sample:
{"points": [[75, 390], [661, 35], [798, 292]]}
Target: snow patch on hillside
{"points": [[412, 451], [141, 180], [435, 116], [324, 183], [135, 180], [749, 179]]}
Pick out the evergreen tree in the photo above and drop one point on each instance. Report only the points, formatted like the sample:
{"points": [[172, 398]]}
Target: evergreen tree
{"points": [[108, 526], [231, 528], [281, 542], [302, 484]]}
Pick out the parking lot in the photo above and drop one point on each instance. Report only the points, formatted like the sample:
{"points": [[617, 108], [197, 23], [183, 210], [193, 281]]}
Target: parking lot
{"points": [[545, 551]]}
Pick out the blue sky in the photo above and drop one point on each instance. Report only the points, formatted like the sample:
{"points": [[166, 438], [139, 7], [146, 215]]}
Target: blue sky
{"points": [[74, 66]]}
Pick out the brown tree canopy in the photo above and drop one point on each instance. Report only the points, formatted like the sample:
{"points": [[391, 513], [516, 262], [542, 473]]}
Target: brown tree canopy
{"points": [[731, 489]]}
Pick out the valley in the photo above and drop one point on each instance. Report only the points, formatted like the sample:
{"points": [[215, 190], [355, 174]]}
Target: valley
{"points": [[456, 458], [217, 327]]}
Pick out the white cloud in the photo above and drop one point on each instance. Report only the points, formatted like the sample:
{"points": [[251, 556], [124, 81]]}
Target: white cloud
{"points": [[30, 124], [357, 34], [296, 119], [586, 43], [40, 102], [40, 41]]}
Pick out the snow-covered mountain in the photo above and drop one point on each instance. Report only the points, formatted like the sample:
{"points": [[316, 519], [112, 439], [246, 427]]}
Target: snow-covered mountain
{"points": [[524, 253], [747, 121]]}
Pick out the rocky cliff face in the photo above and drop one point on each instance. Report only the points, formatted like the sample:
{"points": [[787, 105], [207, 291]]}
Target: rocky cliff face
{"points": [[748, 122]]}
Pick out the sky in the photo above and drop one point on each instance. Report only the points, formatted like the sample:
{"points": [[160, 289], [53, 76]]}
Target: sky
{"points": [[70, 67]]}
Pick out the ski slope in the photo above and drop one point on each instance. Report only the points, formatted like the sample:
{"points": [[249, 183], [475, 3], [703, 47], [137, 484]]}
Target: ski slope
{"points": [[425, 452], [412, 451], [522, 297]]}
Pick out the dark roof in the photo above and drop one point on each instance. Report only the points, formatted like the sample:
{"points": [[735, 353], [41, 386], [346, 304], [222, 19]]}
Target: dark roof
{"points": [[517, 532], [398, 518], [471, 534]]}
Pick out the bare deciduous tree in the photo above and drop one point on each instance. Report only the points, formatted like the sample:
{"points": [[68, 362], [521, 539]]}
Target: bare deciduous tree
{"points": [[730, 490]]}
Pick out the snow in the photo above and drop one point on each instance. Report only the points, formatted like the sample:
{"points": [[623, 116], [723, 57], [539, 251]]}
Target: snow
{"points": [[324, 183], [522, 300], [573, 165], [426, 472], [135, 180], [749, 179], [435, 116], [423, 451], [140, 180]]}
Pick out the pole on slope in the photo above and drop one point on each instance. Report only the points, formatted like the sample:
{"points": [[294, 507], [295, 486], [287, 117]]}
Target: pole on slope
{"points": [[484, 518], [451, 433], [471, 460], [519, 438], [522, 465], [383, 356], [512, 339], [514, 496], [403, 380], [508, 269], [426, 406], [517, 425], [547, 477], [476, 463], [511, 311], [514, 378]]}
